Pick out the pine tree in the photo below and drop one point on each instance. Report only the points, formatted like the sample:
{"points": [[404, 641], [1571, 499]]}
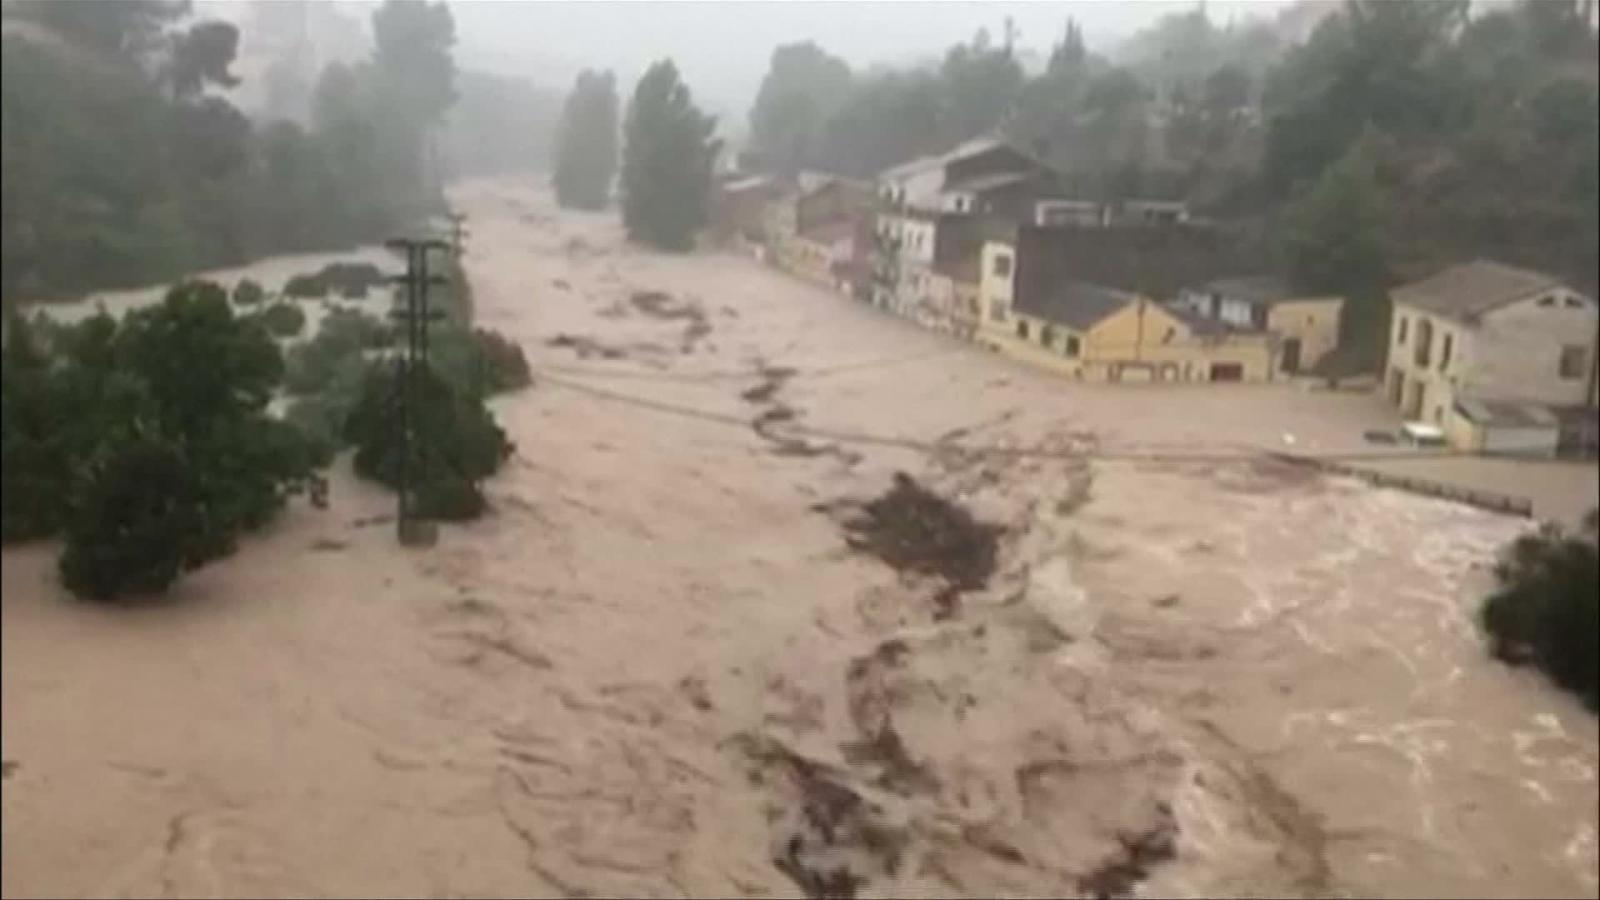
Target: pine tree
{"points": [[586, 143], [666, 163]]}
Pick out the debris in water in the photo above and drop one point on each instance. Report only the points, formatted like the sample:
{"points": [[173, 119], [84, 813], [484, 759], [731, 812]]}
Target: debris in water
{"points": [[914, 529], [585, 346], [1116, 876]]}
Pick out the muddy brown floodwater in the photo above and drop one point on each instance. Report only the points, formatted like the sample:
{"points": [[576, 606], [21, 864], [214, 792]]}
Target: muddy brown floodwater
{"points": [[679, 658]]}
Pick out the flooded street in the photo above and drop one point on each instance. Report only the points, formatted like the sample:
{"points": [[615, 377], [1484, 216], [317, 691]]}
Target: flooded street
{"points": [[660, 668]]}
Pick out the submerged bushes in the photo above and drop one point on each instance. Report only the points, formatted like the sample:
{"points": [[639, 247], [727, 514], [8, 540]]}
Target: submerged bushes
{"points": [[1546, 608], [146, 442], [347, 279], [457, 441], [283, 319]]}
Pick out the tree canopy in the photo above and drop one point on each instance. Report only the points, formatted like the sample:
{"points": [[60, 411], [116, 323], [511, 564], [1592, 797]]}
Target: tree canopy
{"points": [[803, 88], [586, 144], [147, 470], [666, 165]]}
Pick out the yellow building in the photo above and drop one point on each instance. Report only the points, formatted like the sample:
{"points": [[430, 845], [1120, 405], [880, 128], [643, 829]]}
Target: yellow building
{"points": [[1097, 333], [1307, 326]]}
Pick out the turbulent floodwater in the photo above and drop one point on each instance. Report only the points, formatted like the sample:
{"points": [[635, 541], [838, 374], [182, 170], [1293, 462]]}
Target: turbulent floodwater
{"points": [[659, 669]]}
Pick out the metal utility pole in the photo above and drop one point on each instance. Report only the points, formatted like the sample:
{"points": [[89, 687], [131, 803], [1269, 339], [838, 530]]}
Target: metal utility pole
{"points": [[458, 232], [411, 364]]}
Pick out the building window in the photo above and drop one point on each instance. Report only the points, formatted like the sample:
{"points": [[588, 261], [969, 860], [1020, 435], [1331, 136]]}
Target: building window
{"points": [[1574, 359], [1549, 300], [1047, 336], [1022, 330], [1001, 266], [1072, 345], [1572, 303], [1401, 337], [1423, 354], [1444, 354], [1167, 338]]}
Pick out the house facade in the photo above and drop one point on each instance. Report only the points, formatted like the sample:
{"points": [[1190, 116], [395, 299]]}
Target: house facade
{"points": [[930, 211], [1307, 326], [1098, 333], [739, 207], [1489, 332], [822, 232]]}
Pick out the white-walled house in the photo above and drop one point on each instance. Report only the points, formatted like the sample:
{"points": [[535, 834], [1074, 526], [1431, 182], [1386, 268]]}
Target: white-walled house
{"points": [[1497, 337]]}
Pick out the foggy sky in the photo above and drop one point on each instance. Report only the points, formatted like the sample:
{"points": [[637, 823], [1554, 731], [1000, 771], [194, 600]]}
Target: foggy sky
{"points": [[722, 48]]}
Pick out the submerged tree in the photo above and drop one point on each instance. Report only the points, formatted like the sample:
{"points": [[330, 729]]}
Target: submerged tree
{"points": [[1546, 608], [456, 445], [149, 470], [586, 143], [667, 160]]}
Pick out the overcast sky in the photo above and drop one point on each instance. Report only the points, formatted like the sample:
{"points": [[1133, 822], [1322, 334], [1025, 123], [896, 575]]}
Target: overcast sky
{"points": [[722, 48]]}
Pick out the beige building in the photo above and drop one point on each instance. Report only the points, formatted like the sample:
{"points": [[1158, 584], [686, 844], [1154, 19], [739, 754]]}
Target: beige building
{"points": [[1098, 333], [1307, 326], [1482, 331]]}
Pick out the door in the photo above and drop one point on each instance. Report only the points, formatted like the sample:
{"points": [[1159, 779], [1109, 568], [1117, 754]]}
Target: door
{"points": [[1291, 355], [1412, 408], [1227, 371]]}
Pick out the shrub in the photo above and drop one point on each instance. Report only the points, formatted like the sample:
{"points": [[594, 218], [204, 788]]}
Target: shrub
{"points": [[305, 287], [133, 520], [347, 279], [148, 441], [1546, 608], [35, 465], [479, 361], [507, 364], [351, 279], [283, 320], [248, 293], [353, 326], [338, 347], [458, 442], [320, 421]]}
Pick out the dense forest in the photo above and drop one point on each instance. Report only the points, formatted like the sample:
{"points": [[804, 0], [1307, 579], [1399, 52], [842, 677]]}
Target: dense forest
{"points": [[124, 162], [1395, 136]]}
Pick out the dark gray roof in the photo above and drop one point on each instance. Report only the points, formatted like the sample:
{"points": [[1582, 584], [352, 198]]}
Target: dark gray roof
{"points": [[980, 183], [1507, 413], [1472, 289], [1076, 304], [1252, 289], [1202, 325]]}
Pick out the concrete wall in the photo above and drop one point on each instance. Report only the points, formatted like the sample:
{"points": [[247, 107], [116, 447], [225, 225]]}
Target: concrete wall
{"points": [[811, 260], [917, 240], [995, 291], [1146, 334], [1127, 346], [1516, 352], [835, 200], [1314, 320], [1425, 392]]}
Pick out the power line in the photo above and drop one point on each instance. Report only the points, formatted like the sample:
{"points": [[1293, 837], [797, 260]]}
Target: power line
{"points": [[926, 446], [744, 374]]}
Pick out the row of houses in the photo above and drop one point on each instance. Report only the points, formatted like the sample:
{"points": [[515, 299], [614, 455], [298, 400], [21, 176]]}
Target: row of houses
{"points": [[986, 243]]}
